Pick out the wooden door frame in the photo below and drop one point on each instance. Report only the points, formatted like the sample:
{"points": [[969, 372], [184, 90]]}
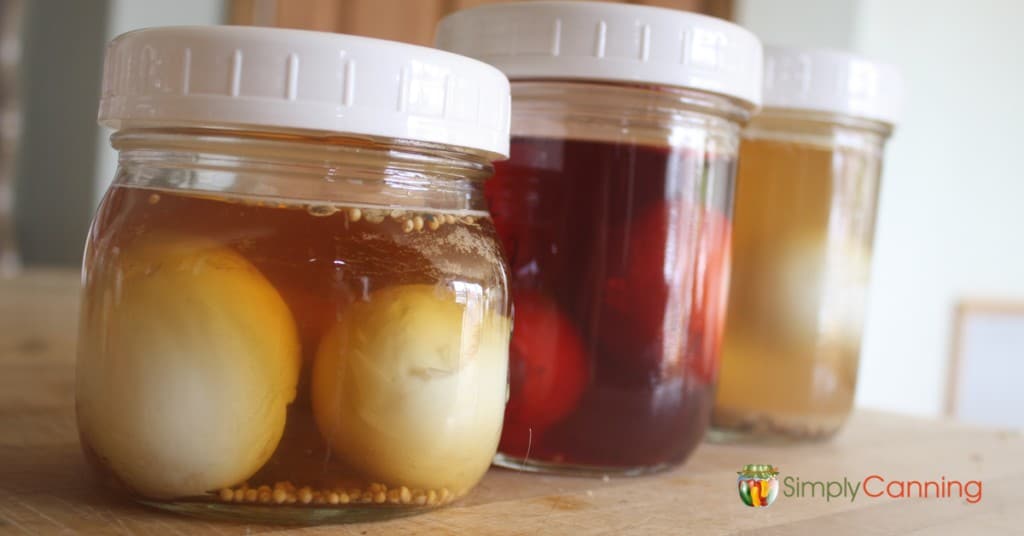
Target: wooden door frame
{"points": [[964, 308]]}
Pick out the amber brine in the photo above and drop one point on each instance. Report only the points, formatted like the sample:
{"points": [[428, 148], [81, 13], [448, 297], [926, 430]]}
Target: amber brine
{"points": [[292, 314], [804, 222]]}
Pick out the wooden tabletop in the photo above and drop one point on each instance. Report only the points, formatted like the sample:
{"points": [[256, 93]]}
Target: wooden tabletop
{"points": [[45, 487]]}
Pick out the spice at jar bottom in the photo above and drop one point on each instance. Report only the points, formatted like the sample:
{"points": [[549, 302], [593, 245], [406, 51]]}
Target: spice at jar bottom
{"points": [[295, 307], [190, 346]]}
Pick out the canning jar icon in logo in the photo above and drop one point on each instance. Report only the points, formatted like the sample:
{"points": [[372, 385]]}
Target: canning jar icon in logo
{"points": [[758, 485]]}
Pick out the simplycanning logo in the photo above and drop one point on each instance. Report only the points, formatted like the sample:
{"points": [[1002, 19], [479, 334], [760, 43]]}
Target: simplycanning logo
{"points": [[759, 486]]}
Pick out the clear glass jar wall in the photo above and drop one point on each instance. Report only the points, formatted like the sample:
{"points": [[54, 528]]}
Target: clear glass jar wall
{"points": [[260, 342], [802, 237], [614, 211]]}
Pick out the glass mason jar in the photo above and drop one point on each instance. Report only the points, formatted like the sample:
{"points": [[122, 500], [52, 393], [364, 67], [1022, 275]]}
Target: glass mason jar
{"points": [[614, 212], [802, 235], [295, 305]]}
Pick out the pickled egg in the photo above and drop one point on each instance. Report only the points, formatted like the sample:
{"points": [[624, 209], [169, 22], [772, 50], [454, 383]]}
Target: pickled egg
{"points": [[820, 285], [409, 386], [188, 361]]}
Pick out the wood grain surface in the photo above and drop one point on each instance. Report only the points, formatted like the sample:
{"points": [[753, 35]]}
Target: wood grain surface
{"points": [[45, 487]]}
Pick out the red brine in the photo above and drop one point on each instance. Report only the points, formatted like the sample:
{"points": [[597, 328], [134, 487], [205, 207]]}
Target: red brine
{"points": [[619, 261]]}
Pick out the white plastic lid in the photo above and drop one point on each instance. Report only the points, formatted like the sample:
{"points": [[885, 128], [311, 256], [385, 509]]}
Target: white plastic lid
{"points": [[832, 81], [235, 76], [609, 42]]}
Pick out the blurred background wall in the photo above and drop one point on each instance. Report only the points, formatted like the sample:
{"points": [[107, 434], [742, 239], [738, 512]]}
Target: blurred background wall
{"points": [[65, 161], [950, 221], [57, 150]]}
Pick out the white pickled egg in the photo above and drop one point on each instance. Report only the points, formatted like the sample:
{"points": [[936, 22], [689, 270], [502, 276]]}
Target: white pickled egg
{"points": [[820, 285], [188, 360], [409, 386]]}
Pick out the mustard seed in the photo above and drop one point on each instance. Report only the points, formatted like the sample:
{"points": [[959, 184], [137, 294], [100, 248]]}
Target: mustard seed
{"points": [[285, 492], [280, 496], [322, 211]]}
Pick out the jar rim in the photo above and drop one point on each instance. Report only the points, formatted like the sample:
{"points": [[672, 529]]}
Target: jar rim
{"points": [[803, 117]]}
